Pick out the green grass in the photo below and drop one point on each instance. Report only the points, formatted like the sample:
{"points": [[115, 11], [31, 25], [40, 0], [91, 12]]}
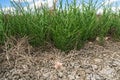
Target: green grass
{"points": [[67, 28], [2, 36]]}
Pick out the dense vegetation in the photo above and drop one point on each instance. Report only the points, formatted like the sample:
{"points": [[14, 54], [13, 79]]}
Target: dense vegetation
{"points": [[67, 28]]}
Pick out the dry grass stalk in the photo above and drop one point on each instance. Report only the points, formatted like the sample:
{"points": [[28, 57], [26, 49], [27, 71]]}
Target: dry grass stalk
{"points": [[17, 49]]}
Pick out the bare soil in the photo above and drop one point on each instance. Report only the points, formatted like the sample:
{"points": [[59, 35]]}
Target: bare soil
{"points": [[20, 61]]}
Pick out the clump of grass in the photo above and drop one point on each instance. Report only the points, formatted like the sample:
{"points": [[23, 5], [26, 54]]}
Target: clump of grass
{"points": [[73, 27], [2, 37], [115, 26], [27, 24], [67, 28], [104, 24]]}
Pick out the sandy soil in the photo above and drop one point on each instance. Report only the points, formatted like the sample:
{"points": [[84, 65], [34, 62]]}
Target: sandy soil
{"points": [[19, 61]]}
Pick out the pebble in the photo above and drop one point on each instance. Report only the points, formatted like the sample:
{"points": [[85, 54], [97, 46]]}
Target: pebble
{"points": [[97, 60], [46, 75], [71, 77], [60, 74]]}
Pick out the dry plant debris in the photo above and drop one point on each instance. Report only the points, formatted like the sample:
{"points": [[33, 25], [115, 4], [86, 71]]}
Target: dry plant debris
{"points": [[19, 61]]}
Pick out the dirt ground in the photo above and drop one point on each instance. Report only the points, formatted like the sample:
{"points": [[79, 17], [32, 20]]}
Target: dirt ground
{"points": [[20, 61]]}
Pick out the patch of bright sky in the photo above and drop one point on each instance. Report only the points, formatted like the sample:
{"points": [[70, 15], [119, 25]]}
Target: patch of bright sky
{"points": [[7, 4]]}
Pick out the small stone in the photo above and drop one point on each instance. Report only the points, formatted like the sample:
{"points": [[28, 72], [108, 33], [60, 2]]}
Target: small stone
{"points": [[107, 38], [77, 65], [25, 67], [116, 56], [46, 75], [77, 77], [71, 77], [72, 64], [80, 74], [114, 63], [90, 42], [97, 60], [95, 67], [60, 74]]}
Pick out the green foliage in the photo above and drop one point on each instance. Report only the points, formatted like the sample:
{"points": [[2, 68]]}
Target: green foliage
{"points": [[2, 38], [67, 28]]}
